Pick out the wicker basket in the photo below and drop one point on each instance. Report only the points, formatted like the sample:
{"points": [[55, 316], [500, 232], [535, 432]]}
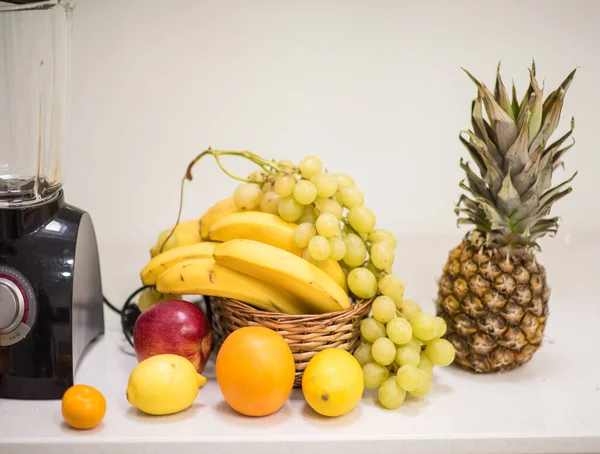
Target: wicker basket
{"points": [[305, 334]]}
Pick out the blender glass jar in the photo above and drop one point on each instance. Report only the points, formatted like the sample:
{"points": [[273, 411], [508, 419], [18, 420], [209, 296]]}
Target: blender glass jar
{"points": [[35, 42]]}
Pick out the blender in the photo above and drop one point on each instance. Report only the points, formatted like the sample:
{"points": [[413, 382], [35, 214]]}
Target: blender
{"points": [[50, 286]]}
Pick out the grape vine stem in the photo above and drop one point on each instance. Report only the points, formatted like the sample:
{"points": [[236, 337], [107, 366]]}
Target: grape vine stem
{"points": [[271, 167]]}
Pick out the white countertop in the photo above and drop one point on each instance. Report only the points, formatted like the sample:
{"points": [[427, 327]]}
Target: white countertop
{"points": [[551, 405]]}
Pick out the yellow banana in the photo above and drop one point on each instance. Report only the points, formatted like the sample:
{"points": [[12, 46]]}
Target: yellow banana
{"points": [[205, 277], [319, 292], [187, 232], [258, 226], [215, 214], [335, 272], [165, 260]]}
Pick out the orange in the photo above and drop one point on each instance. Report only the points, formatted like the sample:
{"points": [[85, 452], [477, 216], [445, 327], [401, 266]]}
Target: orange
{"points": [[255, 371], [83, 407]]}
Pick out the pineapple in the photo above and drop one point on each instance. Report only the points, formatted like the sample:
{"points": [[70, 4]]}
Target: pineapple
{"points": [[493, 293]]}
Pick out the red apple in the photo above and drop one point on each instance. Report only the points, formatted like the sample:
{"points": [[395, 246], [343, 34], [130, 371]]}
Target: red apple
{"points": [[173, 327]]}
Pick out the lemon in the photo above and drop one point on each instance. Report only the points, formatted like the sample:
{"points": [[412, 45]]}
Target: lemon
{"points": [[164, 384], [333, 382]]}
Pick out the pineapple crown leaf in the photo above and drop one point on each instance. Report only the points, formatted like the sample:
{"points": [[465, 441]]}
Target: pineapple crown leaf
{"points": [[512, 194]]}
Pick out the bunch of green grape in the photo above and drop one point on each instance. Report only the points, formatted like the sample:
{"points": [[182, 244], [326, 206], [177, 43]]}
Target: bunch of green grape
{"points": [[401, 344], [332, 221]]}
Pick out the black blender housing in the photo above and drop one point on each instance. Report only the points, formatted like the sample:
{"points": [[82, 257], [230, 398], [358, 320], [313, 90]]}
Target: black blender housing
{"points": [[51, 304]]}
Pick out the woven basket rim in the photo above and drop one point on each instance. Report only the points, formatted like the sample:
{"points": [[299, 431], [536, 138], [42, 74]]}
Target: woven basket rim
{"points": [[329, 316]]}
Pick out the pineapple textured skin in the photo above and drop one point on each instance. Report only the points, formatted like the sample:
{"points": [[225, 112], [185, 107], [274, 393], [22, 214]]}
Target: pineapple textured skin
{"points": [[495, 304]]}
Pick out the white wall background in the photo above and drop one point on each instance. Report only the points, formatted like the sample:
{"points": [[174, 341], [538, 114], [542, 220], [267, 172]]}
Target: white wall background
{"points": [[372, 87]]}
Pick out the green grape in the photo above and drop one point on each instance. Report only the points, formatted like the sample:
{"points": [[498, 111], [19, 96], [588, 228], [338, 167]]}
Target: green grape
{"points": [[407, 355], [356, 251], [398, 330], [362, 283], [383, 309], [246, 197], [361, 219], [328, 206], [374, 374], [267, 186], [425, 364], [390, 394], [289, 164], [363, 354], [338, 198], [310, 166], [441, 326], [372, 330], [327, 225], [319, 247], [338, 248], [441, 352], [258, 176], [414, 343], [382, 256], [424, 326], [308, 215], [303, 234], [326, 184], [384, 351], [284, 185], [269, 203], [309, 258], [289, 209], [344, 180], [411, 377], [408, 309], [423, 389], [392, 286], [383, 236], [305, 192], [351, 196], [372, 269]]}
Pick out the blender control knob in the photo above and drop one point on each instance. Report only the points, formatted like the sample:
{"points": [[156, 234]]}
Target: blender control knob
{"points": [[12, 306]]}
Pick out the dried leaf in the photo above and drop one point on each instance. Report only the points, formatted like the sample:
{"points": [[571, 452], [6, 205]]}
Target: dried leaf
{"points": [[495, 217], [545, 226], [527, 178], [474, 155], [501, 95], [556, 158], [477, 217], [525, 211], [552, 97], [494, 174], [475, 180], [517, 155], [508, 199], [469, 203], [503, 125], [471, 190], [546, 207], [550, 121], [535, 107], [556, 189], [483, 129]]}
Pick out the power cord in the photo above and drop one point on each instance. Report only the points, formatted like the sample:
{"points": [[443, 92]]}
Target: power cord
{"points": [[128, 314]]}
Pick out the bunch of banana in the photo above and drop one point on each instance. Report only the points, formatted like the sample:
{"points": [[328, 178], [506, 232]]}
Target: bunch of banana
{"points": [[248, 256]]}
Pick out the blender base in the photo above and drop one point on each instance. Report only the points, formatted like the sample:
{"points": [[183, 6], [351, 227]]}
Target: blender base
{"points": [[50, 270]]}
